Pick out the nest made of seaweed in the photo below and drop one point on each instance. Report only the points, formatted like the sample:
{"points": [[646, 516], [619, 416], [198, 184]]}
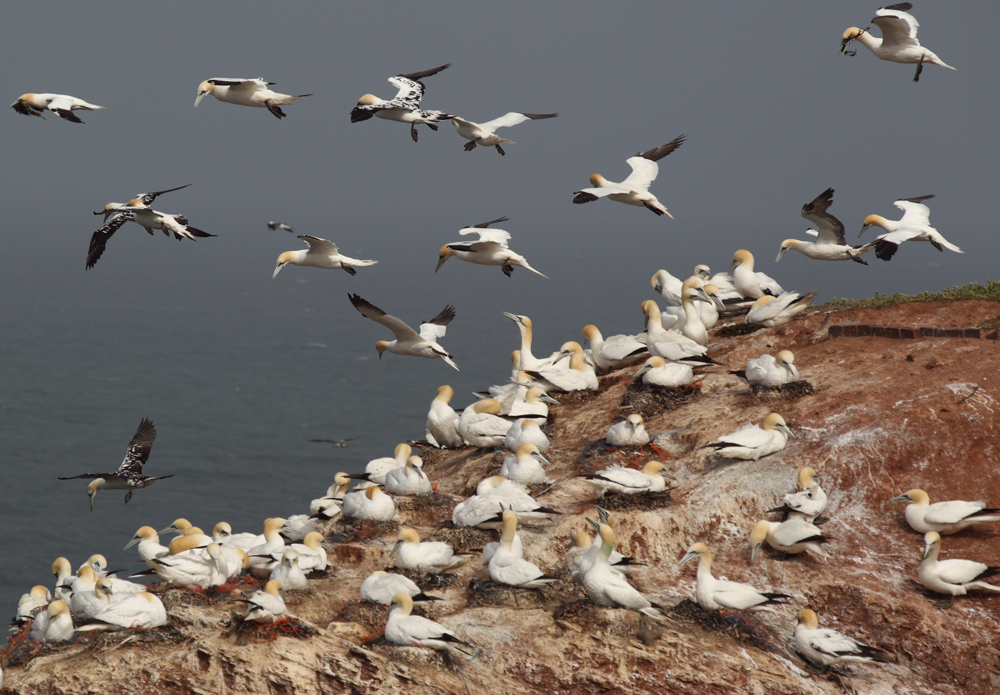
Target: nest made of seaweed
{"points": [[486, 592], [349, 530], [738, 328], [445, 580], [246, 631], [644, 501], [651, 400], [598, 455], [785, 392], [369, 615], [463, 539], [411, 503], [744, 627]]}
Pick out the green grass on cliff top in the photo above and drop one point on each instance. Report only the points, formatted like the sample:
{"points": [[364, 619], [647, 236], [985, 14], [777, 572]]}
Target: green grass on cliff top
{"points": [[990, 291]]}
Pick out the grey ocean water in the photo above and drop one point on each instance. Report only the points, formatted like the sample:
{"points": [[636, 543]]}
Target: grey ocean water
{"points": [[238, 370]]}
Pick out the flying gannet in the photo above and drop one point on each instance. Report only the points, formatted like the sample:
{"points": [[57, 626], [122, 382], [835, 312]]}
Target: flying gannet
{"points": [[825, 647], [335, 443], [952, 577], [914, 225], [272, 225], [943, 517], [62, 105], [830, 244], [484, 133], [407, 341], [405, 106], [635, 189], [491, 249], [899, 42], [713, 594], [244, 92], [320, 254], [753, 441], [129, 474]]}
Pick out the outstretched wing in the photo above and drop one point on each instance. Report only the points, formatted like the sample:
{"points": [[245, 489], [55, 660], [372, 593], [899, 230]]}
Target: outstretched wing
{"points": [[416, 76], [513, 118], [435, 328], [247, 85], [644, 165], [914, 211], [319, 245], [898, 26], [370, 311], [138, 450], [589, 195], [658, 153], [99, 239], [148, 198], [63, 106], [484, 225], [487, 237], [831, 230]]}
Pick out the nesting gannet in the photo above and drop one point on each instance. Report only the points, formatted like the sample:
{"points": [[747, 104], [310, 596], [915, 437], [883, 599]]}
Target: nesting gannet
{"points": [[442, 421], [628, 432], [288, 574], [298, 526], [272, 225], [194, 570], [830, 244], [777, 311], [481, 509], [747, 282], [731, 297], [658, 372], [635, 189], [430, 557], [481, 425], [825, 648], [62, 105], [770, 371], [266, 606], [792, 536], [377, 469], [129, 474], [63, 572], [713, 594], [245, 92], [952, 577], [808, 503], [608, 587], [138, 611], [526, 359], [670, 345], [944, 517], [616, 352], [320, 254], [380, 587], [582, 555], [177, 527], [693, 326], [335, 443], [30, 604], [54, 625], [523, 431], [914, 225], [222, 533], [534, 404], [899, 42], [405, 106], [334, 493], [484, 133], [88, 598], [413, 630], [370, 505], [629, 481], [490, 249], [260, 555], [667, 286], [579, 376], [508, 567], [525, 466], [754, 441], [407, 341], [408, 480], [311, 552]]}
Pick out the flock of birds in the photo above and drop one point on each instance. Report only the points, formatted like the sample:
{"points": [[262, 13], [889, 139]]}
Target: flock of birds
{"points": [[510, 416]]}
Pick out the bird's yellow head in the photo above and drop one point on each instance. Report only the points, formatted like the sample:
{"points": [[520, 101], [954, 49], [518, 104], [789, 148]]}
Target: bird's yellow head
{"points": [[368, 100], [381, 346], [204, 88], [808, 618], [444, 254], [596, 180]]}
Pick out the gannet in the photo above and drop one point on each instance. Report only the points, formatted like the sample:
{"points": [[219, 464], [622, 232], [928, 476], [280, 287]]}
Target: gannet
{"points": [[693, 326], [953, 577], [245, 92], [30, 604], [260, 555], [377, 469], [508, 567], [54, 625], [792, 536], [526, 359], [380, 587], [825, 648], [830, 244], [405, 106], [194, 570], [63, 572], [608, 587], [88, 598], [481, 509], [222, 533], [413, 630], [138, 611], [899, 39], [577, 557], [129, 474], [808, 503], [668, 344], [777, 311], [408, 480], [943, 517], [525, 467], [335, 493], [914, 225], [138, 211], [707, 309], [311, 552], [731, 297], [629, 481], [320, 254], [713, 594], [272, 225], [616, 352], [178, 527], [747, 282], [288, 574], [370, 505], [297, 526], [579, 376], [481, 425], [525, 430], [770, 371], [754, 441], [635, 189], [658, 372], [628, 432], [668, 287], [484, 133], [62, 105], [335, 443], [442, 421], [144, 198], [407, 341], [429, 557], [266, 606], [490, 249], [534, 404]]}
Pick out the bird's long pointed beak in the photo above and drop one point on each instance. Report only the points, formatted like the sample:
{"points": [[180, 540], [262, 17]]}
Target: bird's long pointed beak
{"points": [[733, 266], [665, 212], [131, 543], [603, 513], [277, 269], [441, 260], [199, 98], [786, 430], [92, 496], [702, 296], [395, 549], [781, 253], [753, 552], [548, 399], [596, 525], [863, 229], [689, 556], [900, 498], [326, 546], [541, 459], [642, 371]]}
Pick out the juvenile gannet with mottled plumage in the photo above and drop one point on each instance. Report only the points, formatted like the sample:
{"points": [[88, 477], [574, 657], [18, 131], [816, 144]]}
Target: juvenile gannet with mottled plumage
{"points": [[747, 282], [408, 341], [523, 431], [525, 466], [777, 311], [825, 647], [484, 133], [635, 189], [481, 425], [770, 371], [413, 630], [266, 606], [62, 105], [628, 432], [288, 573], [54, 625], [481, 509], [490, 249], [320, 254], [381, 586], [629, 481], [914, 225], [607, 586], [944, 517], [405, 106], [671, 345], [371, 505], [792, 536], [808, 503], [138, 211], [615, 352], [442, 421], [129, 474], [658, 372], [430, 557], [952, 577], [713, 594], [409, 480], [508, 567], [244, 92], [754, 441], [899, 42]]}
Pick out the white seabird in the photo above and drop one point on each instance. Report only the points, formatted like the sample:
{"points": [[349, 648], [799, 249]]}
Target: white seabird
{"points": [[381, 587], [628, 432], [525, 466], [747, 282], [31, 603], [899, 42], [484, 133], [139, 212], [442, 421], [144, 198], [914, 225], [429, 557], [222, 533], [320, 254], [481, 510], [713, 594], [481, 425], [288, 573], [409, 630], [943, 517], [408, 480], [525, 430], [527, 360], [579, 376], [533, 404], [260, 555], [193, 571], [667, 286], [629, 481], [615, 352], [777, 311], [370, 505], [658, 372], [490, 249], [407, 341], [583, 554], [635, 189], [266, 606], [62, 105], [731, 297], [88, 599], [952, 577], [753, 441], [55, 624], [508, 567], [826, 647], [608, 587], [770, 371], [138, 611], [376, 470], [792, 536], [405, 106], [244, 92], [334, 493], [272, 225], [830, 244], [690, 323], [671, 345], [63, 572], [810, 500]]}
